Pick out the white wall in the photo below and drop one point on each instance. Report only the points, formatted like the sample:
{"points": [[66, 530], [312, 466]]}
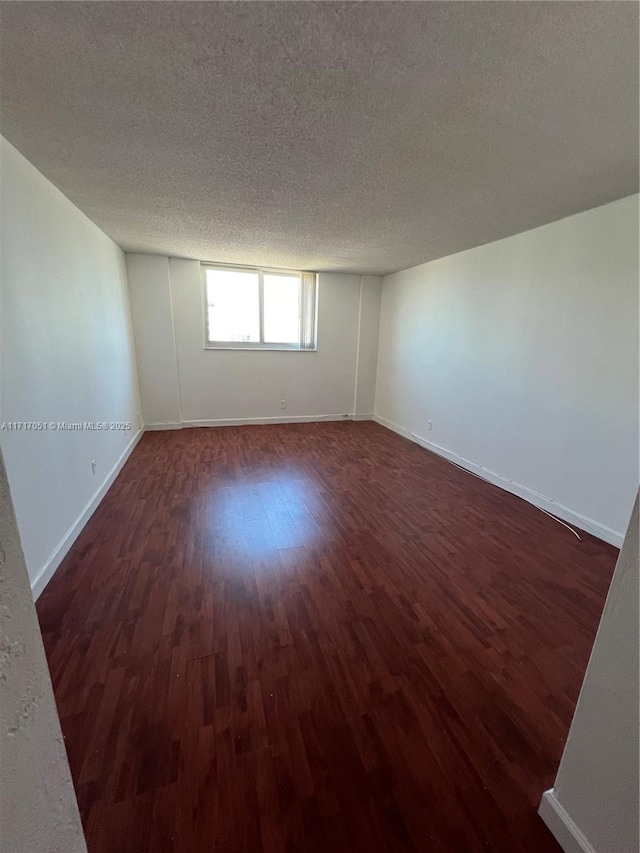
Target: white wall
{"points": [[524, 355], [39, 810], [217, 386], [367, 344], [154, 340], [595, 797], [67, 355]]}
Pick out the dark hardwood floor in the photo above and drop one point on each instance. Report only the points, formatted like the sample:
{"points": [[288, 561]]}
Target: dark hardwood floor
{"points": [[316, 637]]}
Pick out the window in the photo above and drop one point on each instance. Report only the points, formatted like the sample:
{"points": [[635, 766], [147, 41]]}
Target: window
{"points": [[259, 309]]}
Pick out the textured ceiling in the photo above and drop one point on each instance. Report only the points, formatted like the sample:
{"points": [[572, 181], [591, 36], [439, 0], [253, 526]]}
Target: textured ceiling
{"points": [[362, 137]]}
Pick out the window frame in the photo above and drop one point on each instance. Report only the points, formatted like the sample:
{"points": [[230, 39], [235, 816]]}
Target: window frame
{"points": [[260, 345]]}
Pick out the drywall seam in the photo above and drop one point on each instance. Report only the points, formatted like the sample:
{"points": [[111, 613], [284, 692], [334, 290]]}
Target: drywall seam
{"points": [[559, 822], [614, 537], [48, 570]]}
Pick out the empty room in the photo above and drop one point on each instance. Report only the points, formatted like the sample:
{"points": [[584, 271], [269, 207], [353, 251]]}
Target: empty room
{"points": [[319, 427]]}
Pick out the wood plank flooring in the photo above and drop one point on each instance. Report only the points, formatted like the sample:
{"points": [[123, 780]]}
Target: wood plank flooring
{"points": [[316, 637]]}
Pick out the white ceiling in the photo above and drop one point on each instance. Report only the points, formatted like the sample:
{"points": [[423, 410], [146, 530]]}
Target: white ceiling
{"points": [[363, 137]]}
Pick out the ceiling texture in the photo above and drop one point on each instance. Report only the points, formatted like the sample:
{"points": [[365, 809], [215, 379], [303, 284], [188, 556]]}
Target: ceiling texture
{"points": [[353, 136]]}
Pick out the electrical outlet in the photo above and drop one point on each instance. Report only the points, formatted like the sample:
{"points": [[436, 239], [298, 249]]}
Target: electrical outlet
{"points": [[429, 426], [283, 404], [93, 466]]}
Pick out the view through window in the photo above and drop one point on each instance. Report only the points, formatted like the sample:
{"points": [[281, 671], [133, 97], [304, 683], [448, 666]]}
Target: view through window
{"points": [[254, 309]]}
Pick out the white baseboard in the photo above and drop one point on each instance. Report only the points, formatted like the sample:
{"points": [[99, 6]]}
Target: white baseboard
{"points": [[542, 501], [392, 426], [293, 419], [48, 570], [568, 835], [154, 427]]}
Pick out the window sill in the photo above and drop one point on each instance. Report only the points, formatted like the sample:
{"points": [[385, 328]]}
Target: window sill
{"points": [[261, 348]]}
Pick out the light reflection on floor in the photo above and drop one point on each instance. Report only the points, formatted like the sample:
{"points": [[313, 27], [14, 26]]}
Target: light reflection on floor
{"points": [[250, 523]]}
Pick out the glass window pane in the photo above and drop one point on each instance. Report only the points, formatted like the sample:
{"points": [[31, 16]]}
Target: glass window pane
{"points": [[233, 306], [281, 309]]}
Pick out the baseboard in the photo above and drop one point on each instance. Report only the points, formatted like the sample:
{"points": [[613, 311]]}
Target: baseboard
{"points": [[154, 427], [542, 501], [294, 419], [48, 570], [392, 426], [568, 835]]}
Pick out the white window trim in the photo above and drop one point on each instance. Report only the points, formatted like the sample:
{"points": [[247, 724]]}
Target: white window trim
{"points": [[258, 345]]}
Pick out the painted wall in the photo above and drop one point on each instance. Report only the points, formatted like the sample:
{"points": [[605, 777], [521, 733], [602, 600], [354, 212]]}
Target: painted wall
{"points": [[182, 383], [66, 356], [154, 341], [524, 355], [367, 345], [39, 810], [595, 797]]}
